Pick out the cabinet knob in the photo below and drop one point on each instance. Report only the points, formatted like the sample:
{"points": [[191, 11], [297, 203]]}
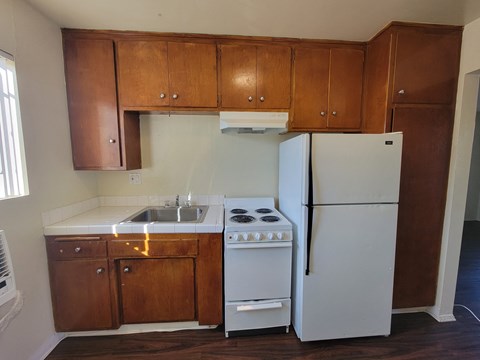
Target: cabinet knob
{"points": [[262, 98], [250, 98], [77, 249], [322, 113], [175, 96], [127, 269], [401, 92], [112, 141], [100, 270], [162, 96], [334, 113]]}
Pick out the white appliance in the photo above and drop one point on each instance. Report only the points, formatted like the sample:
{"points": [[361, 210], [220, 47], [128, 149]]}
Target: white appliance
{"points": [[253, 122], [340, 191], [258, 263], [8, 289]]}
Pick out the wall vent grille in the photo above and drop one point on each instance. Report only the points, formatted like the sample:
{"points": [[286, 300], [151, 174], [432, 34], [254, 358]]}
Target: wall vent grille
{"points": [[7, 281]]}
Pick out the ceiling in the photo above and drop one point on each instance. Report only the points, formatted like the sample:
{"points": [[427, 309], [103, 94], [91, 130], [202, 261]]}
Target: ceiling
{"points": [[356, 20]]}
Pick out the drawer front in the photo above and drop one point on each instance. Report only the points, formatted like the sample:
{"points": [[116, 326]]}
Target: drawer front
{"points": [[75, 249], [148, 248], [247, 315]]}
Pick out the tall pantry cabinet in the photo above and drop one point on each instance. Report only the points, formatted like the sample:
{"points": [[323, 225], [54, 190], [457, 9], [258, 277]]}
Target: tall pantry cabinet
{"points": [[411, 75]]}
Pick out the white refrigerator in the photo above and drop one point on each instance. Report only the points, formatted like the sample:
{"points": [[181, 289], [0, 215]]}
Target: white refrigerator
{"points": [[340, 191]]}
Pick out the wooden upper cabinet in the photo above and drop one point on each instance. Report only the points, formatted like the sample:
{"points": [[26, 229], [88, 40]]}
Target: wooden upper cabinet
{"points": [[174, 74], [255, 77], [92, 103], [328, 89], [310, 100], [426, 66], [143, 73]]}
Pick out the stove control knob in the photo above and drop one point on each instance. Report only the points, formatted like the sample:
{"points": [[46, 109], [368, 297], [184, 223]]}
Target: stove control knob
{"points": [[279, 236], [270, 236], [236, 237], [245, 236], [258, 236]]}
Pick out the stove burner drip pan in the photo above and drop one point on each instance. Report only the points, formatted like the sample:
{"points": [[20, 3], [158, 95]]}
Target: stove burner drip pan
{"points": [[270, 218], [243, 219]]}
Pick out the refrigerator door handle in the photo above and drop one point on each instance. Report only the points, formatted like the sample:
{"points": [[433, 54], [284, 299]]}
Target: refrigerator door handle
{"points": [[309, 204]]}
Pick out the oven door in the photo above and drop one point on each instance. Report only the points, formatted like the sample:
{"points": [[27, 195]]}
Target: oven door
{"points": [[256, 271]]}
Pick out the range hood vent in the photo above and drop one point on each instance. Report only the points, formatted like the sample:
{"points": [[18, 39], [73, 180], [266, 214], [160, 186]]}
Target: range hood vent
{"points": [[253, 122]]}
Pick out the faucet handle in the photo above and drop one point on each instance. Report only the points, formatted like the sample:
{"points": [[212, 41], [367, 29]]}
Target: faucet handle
{"points": [[188, 202]]}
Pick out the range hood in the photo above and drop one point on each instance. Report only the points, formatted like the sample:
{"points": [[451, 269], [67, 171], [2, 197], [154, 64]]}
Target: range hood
{"points": [[253, 122]]}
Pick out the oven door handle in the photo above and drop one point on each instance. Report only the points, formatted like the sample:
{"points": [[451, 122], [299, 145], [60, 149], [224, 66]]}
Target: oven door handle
{"points": [[259, 245], [275, 305]]}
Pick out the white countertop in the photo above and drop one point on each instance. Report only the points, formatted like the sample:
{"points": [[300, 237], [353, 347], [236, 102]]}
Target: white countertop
{"points": [[108, 220]]}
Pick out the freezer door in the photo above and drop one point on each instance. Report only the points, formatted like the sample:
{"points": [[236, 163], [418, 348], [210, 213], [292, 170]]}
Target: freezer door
{"points": [[292, 176], [356, 168], [348, 292]]}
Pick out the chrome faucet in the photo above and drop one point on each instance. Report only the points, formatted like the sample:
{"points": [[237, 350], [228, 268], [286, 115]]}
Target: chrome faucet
{"points": [[177, 201]]}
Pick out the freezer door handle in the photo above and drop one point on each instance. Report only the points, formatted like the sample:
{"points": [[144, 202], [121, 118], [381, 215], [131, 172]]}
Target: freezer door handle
{"points": [[275, 305]]}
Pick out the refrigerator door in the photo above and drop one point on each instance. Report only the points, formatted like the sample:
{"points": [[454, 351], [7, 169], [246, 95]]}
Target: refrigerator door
{"points": [[292, 175], [348, 292], [356, 168]]}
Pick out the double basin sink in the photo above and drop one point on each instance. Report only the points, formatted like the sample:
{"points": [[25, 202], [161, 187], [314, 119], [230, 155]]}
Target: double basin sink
{"points": [[191, 214]]}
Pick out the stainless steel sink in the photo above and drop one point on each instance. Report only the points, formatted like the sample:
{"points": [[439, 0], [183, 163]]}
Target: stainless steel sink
{"points": [[193, 214]]}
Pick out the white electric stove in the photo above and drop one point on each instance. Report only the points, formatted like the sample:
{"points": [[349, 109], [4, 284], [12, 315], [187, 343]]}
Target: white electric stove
{"points": [[258, 262]]}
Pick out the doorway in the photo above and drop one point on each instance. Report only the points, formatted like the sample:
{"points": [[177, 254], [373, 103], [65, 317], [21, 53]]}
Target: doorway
{"points": [[468, 281]]}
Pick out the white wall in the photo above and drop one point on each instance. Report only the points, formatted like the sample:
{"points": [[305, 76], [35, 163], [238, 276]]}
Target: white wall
{"points": [[465, 114], [183, 153], [36, 44], [472, 208]]}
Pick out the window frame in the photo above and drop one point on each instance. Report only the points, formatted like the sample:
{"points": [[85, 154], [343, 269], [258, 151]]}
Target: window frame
{"points": [[13, 172]]}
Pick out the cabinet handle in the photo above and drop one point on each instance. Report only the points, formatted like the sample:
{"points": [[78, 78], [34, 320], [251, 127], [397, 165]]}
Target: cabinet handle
{"points": [[322, 113], [112, 141], [127, 269], [162, 96], [250, 99], [77, 249], [401, 92], [100, 270], [262, 99], [334, 113], [175, 96]]}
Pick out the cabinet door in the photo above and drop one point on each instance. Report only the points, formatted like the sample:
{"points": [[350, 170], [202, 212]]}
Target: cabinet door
{"points": [[92, 103], [155, 290], [345, 92], [238, 71], [427, 136], [426, 67], [192, 74], [310, 99], [143, 73], [81, 295], [274, 64]]}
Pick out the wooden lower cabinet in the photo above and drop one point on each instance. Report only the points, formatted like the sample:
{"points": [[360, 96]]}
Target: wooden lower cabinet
{"points": [[81, 295], [156, 290], [100, 282]]}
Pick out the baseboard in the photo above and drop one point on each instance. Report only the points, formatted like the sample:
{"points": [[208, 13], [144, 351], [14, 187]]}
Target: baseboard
{"points": [[429, 310], [47, 347], [410, 310], [440, 317]]}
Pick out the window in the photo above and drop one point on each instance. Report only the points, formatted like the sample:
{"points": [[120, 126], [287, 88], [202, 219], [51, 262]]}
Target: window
{"points": [[13, 179]]}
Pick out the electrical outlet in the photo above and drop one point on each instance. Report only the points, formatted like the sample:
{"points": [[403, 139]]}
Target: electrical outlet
{"points": [[135, 179]]}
